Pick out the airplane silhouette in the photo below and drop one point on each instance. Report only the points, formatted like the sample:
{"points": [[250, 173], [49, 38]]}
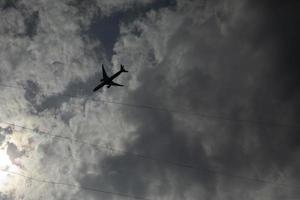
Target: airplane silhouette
{"points": [[109, 80]]}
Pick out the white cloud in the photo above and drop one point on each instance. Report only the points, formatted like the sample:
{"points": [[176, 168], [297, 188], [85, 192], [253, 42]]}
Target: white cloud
{"points": [[52, 59], [176, 59]]}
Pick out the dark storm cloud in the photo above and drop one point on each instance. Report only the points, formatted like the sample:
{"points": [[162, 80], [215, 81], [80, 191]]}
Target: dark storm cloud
{"points": [[131, 174], [31, 23], [76, 88], [31, 91], [107, 28], [280, 34], [6, 4], [13, 152], [251, 72]]}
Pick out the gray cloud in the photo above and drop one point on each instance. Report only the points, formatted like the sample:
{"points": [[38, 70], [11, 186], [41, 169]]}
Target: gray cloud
{"points": [[107, 28], [13, 152], [233, 59], [31, 24], [6, 4], [225, 64], [6, 197]]}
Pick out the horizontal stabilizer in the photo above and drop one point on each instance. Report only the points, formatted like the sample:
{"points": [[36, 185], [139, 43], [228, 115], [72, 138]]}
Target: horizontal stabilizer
{"points": [[122, 69]]}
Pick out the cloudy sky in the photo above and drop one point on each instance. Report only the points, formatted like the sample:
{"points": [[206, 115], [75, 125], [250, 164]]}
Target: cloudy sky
{"points": [[209, 110]]}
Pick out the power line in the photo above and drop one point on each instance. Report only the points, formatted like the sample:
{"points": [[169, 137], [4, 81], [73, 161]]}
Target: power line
{"points": [[178, 164], [99, 148], [76, 186], [159, 160], [161, 109], [81, 187], [106, 167]]}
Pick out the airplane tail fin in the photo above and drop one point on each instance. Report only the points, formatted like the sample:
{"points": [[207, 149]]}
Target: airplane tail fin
{"points": [[123, 69]]}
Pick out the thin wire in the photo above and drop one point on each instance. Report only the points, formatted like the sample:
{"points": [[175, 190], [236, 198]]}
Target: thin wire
{"points": [[89, 188], [159, 160], [76, 186], [161, 109], [73, 159], [105, 148]]}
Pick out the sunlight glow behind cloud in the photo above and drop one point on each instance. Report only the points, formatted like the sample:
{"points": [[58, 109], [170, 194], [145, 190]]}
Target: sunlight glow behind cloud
{"points": [[5, 164], [184, 58]]}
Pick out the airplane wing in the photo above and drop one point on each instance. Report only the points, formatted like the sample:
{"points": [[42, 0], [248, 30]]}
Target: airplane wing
{"points": [[104, 73], [115, 84]]}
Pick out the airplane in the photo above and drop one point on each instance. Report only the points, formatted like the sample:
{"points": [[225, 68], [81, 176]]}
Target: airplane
{"points": [[109, 80]]}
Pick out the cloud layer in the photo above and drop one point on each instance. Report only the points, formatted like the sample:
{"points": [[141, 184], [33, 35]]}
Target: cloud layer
{"points": [[234, 60]]}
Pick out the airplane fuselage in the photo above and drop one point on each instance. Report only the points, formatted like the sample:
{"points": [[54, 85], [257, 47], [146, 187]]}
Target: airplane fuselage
{"points": [[106, 80], [114, 76], [109, 80]]}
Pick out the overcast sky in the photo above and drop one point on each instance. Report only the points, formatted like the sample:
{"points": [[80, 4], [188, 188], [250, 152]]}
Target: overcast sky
{"points": [[209, 110]]}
